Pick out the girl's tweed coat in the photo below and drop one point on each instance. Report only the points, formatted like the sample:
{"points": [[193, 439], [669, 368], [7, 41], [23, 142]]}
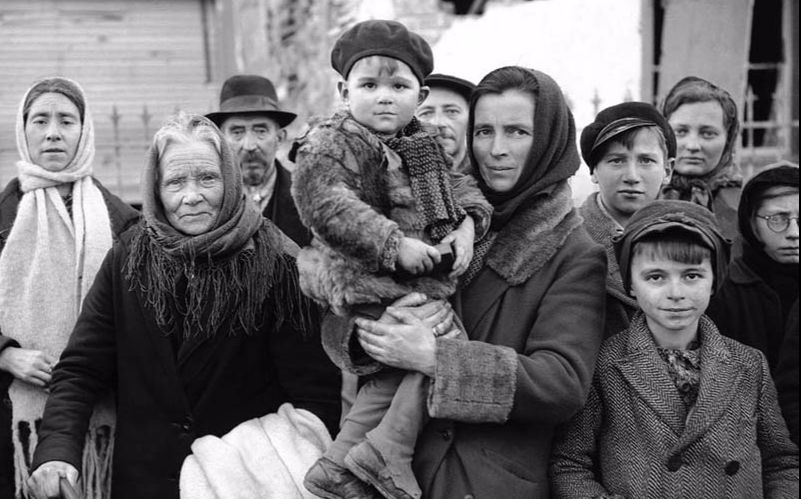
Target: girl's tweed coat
{"points": [[634, 437]]}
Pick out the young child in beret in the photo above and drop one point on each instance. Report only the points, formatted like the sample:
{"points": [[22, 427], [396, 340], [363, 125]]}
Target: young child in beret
{"points": [[629, 149], [675, 408], [377, 192]]}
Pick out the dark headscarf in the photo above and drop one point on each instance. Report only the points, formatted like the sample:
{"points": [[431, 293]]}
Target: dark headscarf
{"points": [[664, 215], [702, 189], [215, 281], [553, 157], [781, 277]]}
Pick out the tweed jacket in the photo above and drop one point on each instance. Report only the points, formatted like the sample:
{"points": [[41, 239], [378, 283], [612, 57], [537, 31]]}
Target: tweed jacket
{"points": [[496, 399], [281, 209], [355, 195], [634, 437], [168, 398], [620, 307]]}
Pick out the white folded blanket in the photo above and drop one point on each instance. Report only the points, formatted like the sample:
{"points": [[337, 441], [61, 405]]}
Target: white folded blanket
{"points": [[261, 458]]}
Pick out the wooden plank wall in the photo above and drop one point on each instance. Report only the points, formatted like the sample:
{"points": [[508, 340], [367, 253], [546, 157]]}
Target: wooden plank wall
{"points": [[125, 53]]}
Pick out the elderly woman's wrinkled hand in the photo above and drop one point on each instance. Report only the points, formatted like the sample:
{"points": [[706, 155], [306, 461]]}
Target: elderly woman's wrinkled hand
{"points": [[44, 481]]}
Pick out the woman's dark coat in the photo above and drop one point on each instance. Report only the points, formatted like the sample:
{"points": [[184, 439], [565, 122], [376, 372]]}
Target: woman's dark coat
{"points": [[527, 369], [169, 400], [122, 216]]}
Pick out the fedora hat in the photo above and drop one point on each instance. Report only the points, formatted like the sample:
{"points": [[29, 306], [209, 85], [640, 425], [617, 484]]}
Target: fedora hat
{"points": [[249, 94]]}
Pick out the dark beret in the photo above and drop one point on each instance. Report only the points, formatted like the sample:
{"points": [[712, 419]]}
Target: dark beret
{"points": [[387, 38], [617, 119], [458, 85]]}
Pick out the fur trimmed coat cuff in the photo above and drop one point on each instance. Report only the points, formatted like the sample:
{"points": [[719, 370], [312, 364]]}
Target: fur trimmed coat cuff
{"points": [[474, 382]]}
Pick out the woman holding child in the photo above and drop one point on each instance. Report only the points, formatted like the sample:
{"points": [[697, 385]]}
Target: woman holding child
{"points": [[531, 301]]}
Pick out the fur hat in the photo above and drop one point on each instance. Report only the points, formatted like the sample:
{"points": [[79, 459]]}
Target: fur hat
{"points": [[387, 38], [249, 95], [667, 215], [458, 85], [620, 118]]}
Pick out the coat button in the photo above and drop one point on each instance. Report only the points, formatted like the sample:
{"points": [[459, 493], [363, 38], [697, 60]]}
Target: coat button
{"points": [[469, 496], [674, 463], [732, 467], [446, 434]]}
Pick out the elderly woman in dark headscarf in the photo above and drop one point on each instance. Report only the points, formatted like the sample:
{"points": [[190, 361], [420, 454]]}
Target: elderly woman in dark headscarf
{"points": [[532, 304], [195, 320], [704, 120], [56, 224]]}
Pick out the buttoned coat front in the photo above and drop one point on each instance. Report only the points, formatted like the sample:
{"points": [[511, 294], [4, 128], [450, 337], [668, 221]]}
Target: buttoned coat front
{"points": [[634, 437]]}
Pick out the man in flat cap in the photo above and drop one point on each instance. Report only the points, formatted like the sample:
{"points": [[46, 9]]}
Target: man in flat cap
{"points": [[447, 108], [253, 123]]}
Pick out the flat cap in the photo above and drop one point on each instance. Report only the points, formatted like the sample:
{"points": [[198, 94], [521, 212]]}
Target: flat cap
{"points": [[458, 85], [617, 119], [387, 38]]}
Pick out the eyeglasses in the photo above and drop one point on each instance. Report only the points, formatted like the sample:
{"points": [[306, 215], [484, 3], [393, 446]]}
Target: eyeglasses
{"points": [[778, 222]]}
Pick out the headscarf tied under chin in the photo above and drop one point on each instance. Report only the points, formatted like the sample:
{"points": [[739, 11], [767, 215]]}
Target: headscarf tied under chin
{"points": [[703, 189], [46, 269], [553, 157], [216, 281]]}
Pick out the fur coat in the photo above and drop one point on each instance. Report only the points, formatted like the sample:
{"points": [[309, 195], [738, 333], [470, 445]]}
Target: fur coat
{"points": [[635, 438]]}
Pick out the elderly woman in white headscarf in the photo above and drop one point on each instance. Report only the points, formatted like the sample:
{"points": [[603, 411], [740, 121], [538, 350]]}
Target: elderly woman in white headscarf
{"points": [[56, 224]]}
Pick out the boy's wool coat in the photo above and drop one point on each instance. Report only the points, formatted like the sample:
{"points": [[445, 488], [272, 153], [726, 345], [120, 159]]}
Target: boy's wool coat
{"points": [[634, 437]]}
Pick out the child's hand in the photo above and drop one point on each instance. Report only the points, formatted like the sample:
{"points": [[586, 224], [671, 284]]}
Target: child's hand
{"points": [[462, 241], [417, 257]]}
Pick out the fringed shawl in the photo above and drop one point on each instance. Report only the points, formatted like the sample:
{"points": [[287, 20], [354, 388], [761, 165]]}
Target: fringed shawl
{"points": [[215, 282]]}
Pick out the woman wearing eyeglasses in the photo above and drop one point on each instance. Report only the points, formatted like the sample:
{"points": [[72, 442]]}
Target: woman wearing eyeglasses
{"points": [[755, 302]]}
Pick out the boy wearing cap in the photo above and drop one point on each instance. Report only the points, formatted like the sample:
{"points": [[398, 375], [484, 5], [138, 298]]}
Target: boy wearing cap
{"points": [[378, 193], [675, 408], [629, 149]]}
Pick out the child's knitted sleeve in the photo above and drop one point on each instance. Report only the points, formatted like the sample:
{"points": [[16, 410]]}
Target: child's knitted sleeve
{"points": [[467, 195], [337, 196]]}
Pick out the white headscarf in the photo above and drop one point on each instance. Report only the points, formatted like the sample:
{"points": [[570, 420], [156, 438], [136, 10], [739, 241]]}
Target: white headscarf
{"points": [[49, 262]]}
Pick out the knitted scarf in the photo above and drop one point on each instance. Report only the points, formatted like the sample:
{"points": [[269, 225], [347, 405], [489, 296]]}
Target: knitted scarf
{"points": [[702, 190], [46, 268], [215, 282], [428, 174]]}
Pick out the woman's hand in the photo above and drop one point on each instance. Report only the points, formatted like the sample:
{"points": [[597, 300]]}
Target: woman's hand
{"points": [[462, 241], [406, 344], [31, 366], [436, 314], [44, 481]]}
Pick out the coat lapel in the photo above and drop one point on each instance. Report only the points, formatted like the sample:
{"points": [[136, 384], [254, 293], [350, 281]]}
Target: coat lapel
{"points": [[473, 306], [720, 379], [647, 375]]}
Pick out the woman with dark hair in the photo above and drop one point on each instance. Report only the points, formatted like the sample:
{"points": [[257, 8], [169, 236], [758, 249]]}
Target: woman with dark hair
{"points": [[195, 320], [56, 224], [704, 119], [532, 304]]}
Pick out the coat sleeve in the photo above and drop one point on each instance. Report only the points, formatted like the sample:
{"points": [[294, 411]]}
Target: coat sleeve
{"points": [[574, 458], [467, 195], [787, 375], [306, 374], [779, 453], [329, 187], [85, 371], [548, 381]]}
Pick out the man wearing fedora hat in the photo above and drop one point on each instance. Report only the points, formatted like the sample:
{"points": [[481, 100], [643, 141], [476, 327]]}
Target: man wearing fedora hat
{"points": [[253, 123], [447, 108]]}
